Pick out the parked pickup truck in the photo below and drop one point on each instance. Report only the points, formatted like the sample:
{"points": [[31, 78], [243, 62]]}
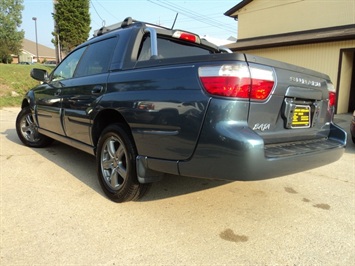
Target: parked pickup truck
{"points": [[148, 101]]}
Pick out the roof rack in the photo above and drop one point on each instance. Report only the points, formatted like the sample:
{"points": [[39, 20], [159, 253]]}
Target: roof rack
{"points": [[125, 23]]}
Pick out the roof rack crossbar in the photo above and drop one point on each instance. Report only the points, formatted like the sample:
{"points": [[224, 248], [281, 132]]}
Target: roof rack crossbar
{"points": [[125, 23]]}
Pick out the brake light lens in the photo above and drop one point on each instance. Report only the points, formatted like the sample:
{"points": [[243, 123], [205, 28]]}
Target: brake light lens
{"points": [[332, 98], [238, 81], [226, 80], [186, 36], [332, 95], [262, 83]]}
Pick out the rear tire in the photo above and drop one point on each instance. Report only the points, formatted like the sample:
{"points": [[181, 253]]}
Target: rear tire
{"points": [[27, 130], [116, 165]]}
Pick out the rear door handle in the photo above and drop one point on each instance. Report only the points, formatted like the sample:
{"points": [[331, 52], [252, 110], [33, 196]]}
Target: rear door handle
{"points": [[98, 89], [57, 92]]}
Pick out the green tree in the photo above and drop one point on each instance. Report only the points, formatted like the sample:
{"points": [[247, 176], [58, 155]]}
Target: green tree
{"points": [[72, 23], [10, 37]]}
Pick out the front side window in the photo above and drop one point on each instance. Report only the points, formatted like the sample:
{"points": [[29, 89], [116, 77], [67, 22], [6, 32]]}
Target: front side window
{"points": [[67, 67]]}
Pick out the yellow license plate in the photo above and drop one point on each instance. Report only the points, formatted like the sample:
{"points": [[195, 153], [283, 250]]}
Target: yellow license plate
{"points": [[301, 117]]}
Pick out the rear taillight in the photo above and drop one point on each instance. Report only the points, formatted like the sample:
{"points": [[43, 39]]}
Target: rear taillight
{"points": [[262, 83], [239, 81], [332, 95], [332, 98], [226, 80]]}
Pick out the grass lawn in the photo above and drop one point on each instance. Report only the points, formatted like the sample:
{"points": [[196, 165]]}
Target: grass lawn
{"points": [[15, 80]]}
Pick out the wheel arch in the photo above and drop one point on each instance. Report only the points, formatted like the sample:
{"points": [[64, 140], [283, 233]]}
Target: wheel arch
{"points": [[103, 119], [28, 101], [25, 103]]}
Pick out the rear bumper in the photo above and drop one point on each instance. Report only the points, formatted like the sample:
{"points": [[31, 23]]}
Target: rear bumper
{"points": [[233, 151]]}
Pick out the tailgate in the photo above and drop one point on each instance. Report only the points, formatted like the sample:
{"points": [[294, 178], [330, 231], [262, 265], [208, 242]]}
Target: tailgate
{"points": [[297, 108]]}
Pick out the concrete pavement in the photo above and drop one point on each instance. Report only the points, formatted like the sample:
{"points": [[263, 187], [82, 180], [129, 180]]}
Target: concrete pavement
{"points": [[54, 212]]}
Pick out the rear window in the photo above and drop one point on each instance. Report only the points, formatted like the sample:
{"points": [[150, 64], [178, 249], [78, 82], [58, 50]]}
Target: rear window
{"points": [[168, 48]]}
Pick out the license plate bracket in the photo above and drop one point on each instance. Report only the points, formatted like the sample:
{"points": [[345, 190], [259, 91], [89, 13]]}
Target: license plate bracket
{"points": [[301, 117]]}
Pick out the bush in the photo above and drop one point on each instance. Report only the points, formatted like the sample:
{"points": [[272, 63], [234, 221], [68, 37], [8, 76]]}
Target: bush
{"points": [[6, 59]]}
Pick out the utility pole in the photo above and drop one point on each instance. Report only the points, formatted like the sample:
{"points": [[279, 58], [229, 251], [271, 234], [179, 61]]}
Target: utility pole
{"points": [[35, 19]]}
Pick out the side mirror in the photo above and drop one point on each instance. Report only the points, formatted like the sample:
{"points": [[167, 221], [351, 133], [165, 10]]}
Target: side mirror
{"points": [[39, 74]]}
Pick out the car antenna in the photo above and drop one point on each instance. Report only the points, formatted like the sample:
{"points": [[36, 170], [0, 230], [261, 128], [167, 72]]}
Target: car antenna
{"points": [[172, 27]]}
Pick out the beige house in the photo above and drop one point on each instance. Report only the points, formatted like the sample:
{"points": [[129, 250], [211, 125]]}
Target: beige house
{"points": [[316, 34], [29, 53]]}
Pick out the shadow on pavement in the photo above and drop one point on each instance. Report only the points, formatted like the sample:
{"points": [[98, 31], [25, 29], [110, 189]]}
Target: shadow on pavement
{"points": [[83, 167]]}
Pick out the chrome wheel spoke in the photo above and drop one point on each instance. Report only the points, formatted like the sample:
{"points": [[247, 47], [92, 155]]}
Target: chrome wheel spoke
{"points": [[111, 148], [107, 164], [120, 152], [28, 128], [28, 119], [31, 136], [121, 170], [114, 179], [113, 162], [25, 129]]}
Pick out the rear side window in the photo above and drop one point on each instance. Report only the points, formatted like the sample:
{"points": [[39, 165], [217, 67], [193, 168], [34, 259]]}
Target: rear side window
{"points": [[96, 58], [168, 48]]}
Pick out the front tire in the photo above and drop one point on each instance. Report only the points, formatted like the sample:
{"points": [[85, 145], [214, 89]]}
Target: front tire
{"points": [[27, 130], [116, 165]]}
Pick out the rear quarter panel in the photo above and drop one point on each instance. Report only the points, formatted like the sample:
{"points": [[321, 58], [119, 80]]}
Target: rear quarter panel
{"points": [[163, 102], [164, 107]]}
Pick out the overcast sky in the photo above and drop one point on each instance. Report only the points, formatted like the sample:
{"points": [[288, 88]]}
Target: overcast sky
{"points": [[204, 17]]}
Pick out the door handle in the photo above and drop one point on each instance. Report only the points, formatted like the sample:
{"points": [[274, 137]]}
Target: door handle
{"points": [[97, 89], [57, 92]]}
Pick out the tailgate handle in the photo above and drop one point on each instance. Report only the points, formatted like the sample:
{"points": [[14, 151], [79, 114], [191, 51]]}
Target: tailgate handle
{"points": [[97, 89], [312, 94]]}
